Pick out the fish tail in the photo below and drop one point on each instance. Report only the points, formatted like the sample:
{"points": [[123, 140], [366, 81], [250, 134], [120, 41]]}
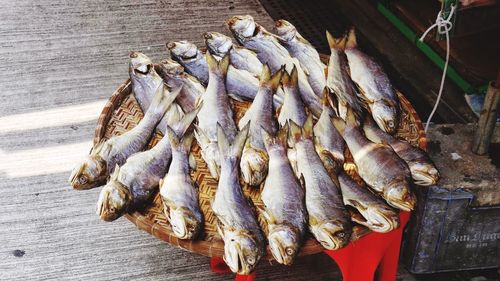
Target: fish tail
{"points": [[339, 124], [201, 136], [295, 131], [307, 129], [234, 149], [280, 137], [351, 39], [336, 43], [351, 117], [294, 76], [183, 125], [265, 76], [276, 78], [173, 138], [161, 101]]}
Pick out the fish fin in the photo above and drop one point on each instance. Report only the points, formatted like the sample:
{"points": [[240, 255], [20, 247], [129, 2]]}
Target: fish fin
{"points": [[186, 141], [295, 131], [265, 75], [339, 124], [351, 39], [201, 136], [307, 129], [282, 135], [276, 78], [185, 122], [224, 64], [96, 149], [227, 149], [351, 117], [285, 79], [336, 43], [174, 140], [167, 99], [246, 118]]}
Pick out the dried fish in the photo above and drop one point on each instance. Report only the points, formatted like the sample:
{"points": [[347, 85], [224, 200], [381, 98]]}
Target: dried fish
{"points": [[377, 216], [339, 79], [329, 220], [283, 198], [244, 242], [103, 158], [178, 192], [241, 58], [378, 165], [377, 91], [144, 79], [422, 168], [300, 48], [216, 109], [137, 180], [260, 114]]}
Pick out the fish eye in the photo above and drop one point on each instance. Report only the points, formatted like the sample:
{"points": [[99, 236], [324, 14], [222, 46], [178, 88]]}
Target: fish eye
{"points": [[289, 251], [341, 235], [250, 260], [112, 209], [83, 179], [390, 124]]}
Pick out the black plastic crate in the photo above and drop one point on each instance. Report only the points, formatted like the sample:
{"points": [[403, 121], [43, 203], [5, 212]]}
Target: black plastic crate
{"points": [[446, 233]]}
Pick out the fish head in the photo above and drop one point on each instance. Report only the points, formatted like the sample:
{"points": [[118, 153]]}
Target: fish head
{"points": [[241, 26], [285, 30], [140, 65], [424, 173], [398, 194], [185, 223], [332, 235], [284, 243], [183, 50], [254, 164], [381, 218], [88, 174], [210, 153], [172, 68], [218, 43], [114, 200], [386, 116], [242, 251]]}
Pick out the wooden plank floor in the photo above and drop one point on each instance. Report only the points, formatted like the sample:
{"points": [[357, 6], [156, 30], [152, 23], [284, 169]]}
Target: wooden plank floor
{"points": [[60, 60]]}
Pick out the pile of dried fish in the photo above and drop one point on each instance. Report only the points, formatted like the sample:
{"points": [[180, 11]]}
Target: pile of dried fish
{"points": [[290, 143]]}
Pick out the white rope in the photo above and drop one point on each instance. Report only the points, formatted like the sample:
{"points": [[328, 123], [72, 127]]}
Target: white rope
{"points": [[444, 25]]}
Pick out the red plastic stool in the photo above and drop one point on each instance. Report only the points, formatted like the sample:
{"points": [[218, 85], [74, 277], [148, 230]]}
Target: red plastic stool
{"points": [[359, 260]]}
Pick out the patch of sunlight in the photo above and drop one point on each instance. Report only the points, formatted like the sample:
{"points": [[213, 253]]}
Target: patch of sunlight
{"points": [[59, 116], [43, 161]]}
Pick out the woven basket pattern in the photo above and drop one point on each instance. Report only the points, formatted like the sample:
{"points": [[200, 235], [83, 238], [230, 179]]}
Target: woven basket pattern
{"points": [[123, 113]]}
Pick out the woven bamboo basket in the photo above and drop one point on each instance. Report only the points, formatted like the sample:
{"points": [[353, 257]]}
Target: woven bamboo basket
{"points": [[122, 112]]}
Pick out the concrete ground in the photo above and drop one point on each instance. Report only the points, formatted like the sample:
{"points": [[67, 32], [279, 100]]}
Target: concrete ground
{"points": [[60, 61]]}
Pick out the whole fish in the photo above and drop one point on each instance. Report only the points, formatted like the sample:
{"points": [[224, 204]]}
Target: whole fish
{"points": [[178, 192], [269, 51], [241, 58], [300, 48], [328, 142], [283, 198], [329, 221], [423, 170], [216, 109], [193, 60], [339, 79], [241, 84], [259, 115], [145, 80], [307, 94], [292, 110], [253, 36], [137, 180], [377, 91], [377, 216], [174, 76], [244, 243], [378, 165], [103, 157]]}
